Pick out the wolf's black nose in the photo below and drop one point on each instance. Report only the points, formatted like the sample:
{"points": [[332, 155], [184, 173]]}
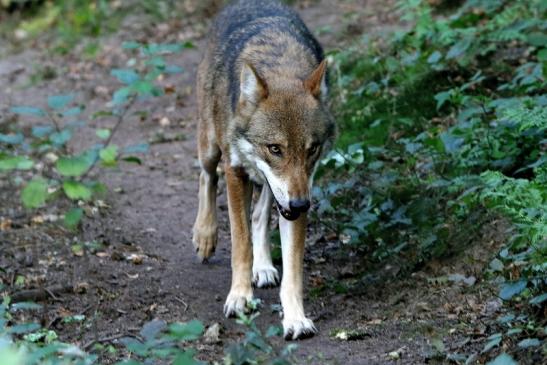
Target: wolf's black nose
{"points": [[299, 205]]}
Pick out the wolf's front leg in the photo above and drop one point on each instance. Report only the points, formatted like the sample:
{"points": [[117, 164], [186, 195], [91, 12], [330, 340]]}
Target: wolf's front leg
{"points": [[239, 202], [293, 236], [264, 273]]}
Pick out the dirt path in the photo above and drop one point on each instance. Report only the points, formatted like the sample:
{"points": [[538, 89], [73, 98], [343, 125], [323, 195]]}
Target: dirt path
{"points": [[152, 214]]}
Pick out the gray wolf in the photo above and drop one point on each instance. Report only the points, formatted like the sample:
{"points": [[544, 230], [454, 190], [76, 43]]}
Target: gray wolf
{"points": [[262, 105]]}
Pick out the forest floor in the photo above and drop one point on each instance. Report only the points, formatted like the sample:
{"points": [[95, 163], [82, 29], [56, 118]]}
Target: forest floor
{"points": [[443, 308]]}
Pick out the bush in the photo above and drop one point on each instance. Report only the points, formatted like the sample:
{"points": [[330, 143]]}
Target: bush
{"points": [[442, 129]]}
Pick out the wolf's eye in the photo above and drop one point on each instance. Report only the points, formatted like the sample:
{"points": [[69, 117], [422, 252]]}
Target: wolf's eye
{"points": [[313, 149], [274, 149]]}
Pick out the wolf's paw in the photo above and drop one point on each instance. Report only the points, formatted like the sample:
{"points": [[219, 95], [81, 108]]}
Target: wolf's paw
{"points": [[265, 277], [298, 329], [205, 242], [237, 303]]}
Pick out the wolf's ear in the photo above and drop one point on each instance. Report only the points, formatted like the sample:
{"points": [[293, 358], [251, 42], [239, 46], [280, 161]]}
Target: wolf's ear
{"points": [[317, 83], [252, 87]]}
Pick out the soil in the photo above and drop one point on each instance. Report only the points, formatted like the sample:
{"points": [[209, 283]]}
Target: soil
{"points": [[143, 265]]}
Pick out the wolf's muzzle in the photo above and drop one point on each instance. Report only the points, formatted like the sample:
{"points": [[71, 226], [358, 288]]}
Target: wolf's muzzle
{"points": [[297, 206], [289, 215]]}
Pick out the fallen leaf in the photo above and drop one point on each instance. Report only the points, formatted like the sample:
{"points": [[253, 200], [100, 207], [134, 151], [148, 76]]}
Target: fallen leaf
{"points": [[351, 335], [5, 224], [136, 258], [423, 306], [132, 276], [81, 287], [169, 89], [37, 219], [438, 345], [151, 329], [459, 278], [77, 249]]}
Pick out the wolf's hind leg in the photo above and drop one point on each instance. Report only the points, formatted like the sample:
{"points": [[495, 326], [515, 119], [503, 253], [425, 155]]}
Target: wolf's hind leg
{"points": [[264, 273], [205, 227]]}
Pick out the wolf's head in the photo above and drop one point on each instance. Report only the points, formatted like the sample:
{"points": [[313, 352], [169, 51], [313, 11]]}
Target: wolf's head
{"points": [[281, 130]]}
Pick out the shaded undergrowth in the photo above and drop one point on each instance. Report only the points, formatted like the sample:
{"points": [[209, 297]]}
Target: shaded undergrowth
{"points": [[442, 129]]}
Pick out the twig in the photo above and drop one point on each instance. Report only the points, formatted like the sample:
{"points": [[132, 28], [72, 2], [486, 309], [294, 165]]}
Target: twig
{"points": [[53, 321], [37, 295], [86, 309], [109, 339], [52, 295], [119, 121], [54, 122], [183, 303]]}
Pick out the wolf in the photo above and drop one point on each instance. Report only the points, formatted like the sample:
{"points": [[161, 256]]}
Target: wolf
{"points": [[262, 108]]}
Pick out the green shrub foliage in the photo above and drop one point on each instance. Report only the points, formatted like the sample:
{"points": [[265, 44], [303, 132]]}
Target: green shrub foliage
{"points": [[442, 128]]}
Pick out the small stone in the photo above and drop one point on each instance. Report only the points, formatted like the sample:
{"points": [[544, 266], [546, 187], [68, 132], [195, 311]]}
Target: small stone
{"points": [[20, 34], [101, 91], [212, 335], [51, 157], [165, 122], [345, 238]]}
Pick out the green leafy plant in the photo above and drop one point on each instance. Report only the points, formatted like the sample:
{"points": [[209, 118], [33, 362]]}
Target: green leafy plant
{"points": [[442, 128], [28, 343], [156, 342], [40, 158], [256, 347]]}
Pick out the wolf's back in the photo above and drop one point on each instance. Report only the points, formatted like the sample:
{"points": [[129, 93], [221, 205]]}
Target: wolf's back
{"points": [[245, 19], [252, 23]]}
